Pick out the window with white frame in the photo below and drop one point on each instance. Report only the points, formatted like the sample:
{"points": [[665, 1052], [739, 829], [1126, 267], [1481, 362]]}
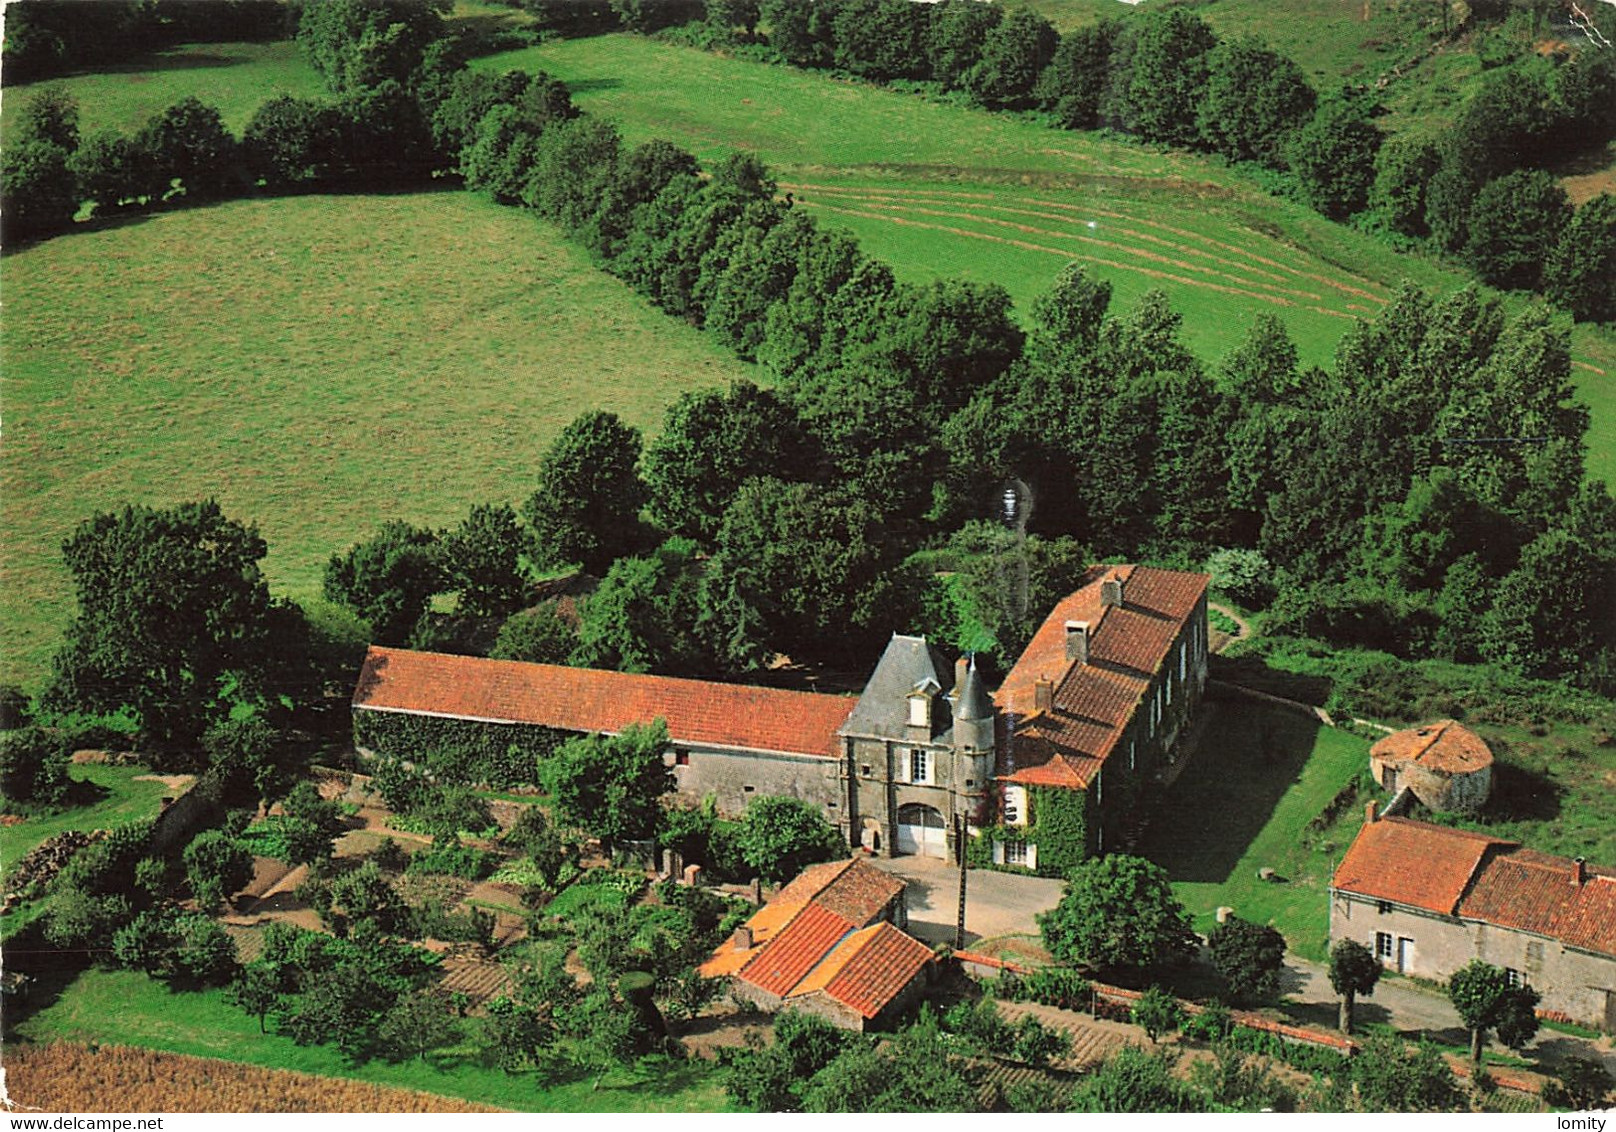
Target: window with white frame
{"points": [[1183, 659], [1383, 945], [1015, 805], [1015, 852], [1133, 749], [919, 767]]}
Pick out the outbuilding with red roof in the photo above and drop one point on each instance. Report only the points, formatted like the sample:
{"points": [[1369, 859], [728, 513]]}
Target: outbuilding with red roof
{"points": [[1427, 899]]}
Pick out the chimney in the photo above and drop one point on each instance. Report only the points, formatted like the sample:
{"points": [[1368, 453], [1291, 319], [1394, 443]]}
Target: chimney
{"points": [[1371, 812], [1043, 695], [1077, 641], [1110, 592], [742, 939], [1579, 871]]}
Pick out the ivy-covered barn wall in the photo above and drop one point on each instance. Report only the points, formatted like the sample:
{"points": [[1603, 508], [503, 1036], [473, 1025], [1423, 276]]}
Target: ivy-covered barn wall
{"points": [[500, 755], [1062, 824]]}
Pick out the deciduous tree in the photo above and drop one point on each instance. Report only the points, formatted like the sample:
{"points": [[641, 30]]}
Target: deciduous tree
{"points": [[1118, 913], [586, 509], [1249, 957], [173, 619], [1486, 1000], [610, 786], [390, 580], [1353, 971]]}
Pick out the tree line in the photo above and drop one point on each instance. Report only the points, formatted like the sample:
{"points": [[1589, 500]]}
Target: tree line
{"points": [[1424, 496], [1478, 191]]}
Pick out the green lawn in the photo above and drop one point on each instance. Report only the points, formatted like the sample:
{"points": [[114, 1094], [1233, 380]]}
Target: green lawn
{"points": [[939, 190], [234, 77], [1259, 777], [127, 1008], [319, 364], [121, 800]]}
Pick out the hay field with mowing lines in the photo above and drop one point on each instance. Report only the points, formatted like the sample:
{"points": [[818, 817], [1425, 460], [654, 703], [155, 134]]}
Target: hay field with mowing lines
{"points": [[319, 364], [938, 190]]}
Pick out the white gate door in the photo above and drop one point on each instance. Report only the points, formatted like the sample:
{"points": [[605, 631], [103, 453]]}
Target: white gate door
{"points": [[921, 832]]}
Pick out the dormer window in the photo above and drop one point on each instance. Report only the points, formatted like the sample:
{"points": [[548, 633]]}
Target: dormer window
{"points": [[919, 709]]}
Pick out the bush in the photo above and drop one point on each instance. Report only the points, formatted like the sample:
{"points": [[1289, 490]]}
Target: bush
{"points": [[1244, 575], [454, 858], [1157, 1012]]}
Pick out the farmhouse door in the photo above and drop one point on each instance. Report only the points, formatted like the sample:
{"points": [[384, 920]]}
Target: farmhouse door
{"points": [[921, 831], [1405, 955]]}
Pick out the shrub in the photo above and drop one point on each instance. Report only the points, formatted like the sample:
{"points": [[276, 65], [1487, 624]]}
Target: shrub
{"points": [[1157, 1012], [454, 858]]}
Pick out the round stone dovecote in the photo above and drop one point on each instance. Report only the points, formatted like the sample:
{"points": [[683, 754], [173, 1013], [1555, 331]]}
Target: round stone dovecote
{"points": [[1447, 766]]}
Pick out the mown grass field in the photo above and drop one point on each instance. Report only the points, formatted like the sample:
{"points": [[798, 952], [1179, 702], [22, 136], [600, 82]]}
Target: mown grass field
{"points": [[319, 364], [940, 190], [236, 78], [121, 800], [1258, 778], [128, 1008]]}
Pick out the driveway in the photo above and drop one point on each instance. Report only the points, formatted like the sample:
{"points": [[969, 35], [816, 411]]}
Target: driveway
{"points": [[996, 904], [1413, 1008]]}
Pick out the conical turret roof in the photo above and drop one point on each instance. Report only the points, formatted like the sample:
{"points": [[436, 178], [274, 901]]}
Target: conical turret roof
{"points": [[973, 700]]}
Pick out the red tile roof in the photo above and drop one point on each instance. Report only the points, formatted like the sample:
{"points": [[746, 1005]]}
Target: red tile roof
{"points": [[590, 700], [1476, 877], [884, 962], [1444, 746], [1091, 704], [827, 943], [1413, 863], [781, 963], [1536, 892]]}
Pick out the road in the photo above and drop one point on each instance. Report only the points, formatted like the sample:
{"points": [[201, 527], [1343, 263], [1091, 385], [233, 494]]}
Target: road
{"points": [[1000, 904]]}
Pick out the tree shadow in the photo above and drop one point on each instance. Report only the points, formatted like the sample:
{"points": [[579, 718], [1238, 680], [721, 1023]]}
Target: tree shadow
{"points": [[172, 60], [84, 792], [580, 86], [1256, 674], [46, 972], [1521, 794], [1248, 756]]}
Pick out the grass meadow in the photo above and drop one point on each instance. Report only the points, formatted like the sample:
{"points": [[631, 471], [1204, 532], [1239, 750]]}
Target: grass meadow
{"points": [[938, 190], [236, 78], [1252, 797], [130, 1008], [319, 364], [118, 800]]}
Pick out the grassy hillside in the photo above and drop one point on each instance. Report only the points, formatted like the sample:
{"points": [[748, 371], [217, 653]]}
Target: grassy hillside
{"points": [[319, 364], [938, 190]]}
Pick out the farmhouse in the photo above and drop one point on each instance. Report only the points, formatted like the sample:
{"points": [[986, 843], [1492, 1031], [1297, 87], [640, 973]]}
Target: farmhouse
{"points": [[1093, 711], [1428, 899], [1086, 721], [830, 943]]}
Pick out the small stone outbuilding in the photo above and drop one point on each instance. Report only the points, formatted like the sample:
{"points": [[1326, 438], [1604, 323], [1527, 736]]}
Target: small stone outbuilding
{"points": [[1448, 767], [830, 943]]}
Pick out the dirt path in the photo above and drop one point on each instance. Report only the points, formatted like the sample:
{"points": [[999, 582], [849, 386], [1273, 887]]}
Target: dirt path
{"points": [[1219, 640]]}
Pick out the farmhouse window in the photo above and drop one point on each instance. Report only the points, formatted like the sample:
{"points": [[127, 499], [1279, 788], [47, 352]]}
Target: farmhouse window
{"points": [[1383, 945], [748, 789], [919, 767], [866, 769], [681, 758], [1384, 907], [1015, 852], [1183, 659], [1133, 745], [1513, 976]]}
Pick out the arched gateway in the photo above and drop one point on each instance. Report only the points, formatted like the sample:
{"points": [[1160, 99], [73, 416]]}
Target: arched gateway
{"points": [[921, 831]]}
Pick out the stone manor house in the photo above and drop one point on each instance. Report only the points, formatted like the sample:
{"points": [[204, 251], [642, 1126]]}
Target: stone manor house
{"points": [[1041, 773]]}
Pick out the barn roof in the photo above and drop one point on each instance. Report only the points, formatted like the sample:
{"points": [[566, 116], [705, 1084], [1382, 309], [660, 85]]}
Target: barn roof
{"points": [[591, 700]]}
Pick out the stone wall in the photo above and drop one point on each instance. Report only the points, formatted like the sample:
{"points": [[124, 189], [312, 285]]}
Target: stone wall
{"points": [[734, 778]]}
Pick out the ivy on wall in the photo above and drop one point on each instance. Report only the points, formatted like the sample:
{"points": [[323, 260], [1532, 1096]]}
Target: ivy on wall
{"points": [[1062, 827], [500, 755]]}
